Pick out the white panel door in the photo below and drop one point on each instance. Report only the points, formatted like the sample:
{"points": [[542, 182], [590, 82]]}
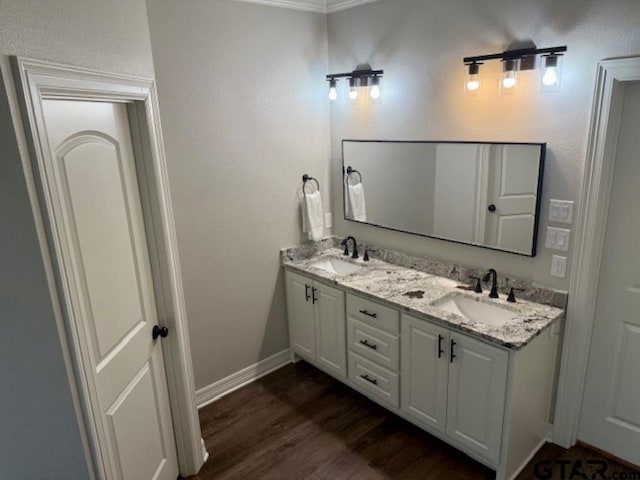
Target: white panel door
{"points": [[302, 334], [93, 180], [512, 190], [331, 347], [425, 371], [477, 387], [610, 417]]}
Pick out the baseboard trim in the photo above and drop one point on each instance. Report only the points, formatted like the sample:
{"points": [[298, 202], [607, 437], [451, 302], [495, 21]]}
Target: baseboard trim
{"points": [[219, 389]]}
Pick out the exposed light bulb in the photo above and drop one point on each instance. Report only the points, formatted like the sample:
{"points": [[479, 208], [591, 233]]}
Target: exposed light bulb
{"points": [[509, 80], [473, 83], [550, 76], [374, 92]]}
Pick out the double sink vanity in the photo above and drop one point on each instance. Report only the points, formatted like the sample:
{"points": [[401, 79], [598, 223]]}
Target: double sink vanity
{"points": [[409, 333]]}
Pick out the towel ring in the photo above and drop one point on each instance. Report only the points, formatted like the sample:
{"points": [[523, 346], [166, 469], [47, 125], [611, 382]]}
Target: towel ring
{"points": [[351, 171], [305, 179]]}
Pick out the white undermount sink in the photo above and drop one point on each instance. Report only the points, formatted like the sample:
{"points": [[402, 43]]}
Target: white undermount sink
{"points": [[476, 311], [336, 266]]}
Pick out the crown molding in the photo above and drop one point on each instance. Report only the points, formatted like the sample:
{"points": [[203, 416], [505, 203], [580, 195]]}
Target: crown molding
{"points": [[338, 5], [319, 6]]}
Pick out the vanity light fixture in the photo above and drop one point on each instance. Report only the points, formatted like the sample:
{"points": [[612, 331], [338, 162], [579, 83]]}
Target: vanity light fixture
{"points": [[514, 61], [363, 77]]}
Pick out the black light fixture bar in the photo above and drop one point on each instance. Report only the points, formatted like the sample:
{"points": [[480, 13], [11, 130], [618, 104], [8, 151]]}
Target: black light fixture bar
{"points": [[356, 74], [514, 54]]}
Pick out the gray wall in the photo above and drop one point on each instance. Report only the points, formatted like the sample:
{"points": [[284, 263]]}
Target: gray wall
{"points": [[420, 45], [39, 434], [244, 112]]}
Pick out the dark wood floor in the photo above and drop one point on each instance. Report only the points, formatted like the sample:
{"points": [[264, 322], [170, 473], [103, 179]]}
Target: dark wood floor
{"points": [[298, 423]]}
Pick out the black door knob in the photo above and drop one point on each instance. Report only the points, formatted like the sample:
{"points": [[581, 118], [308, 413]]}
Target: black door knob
{"points": [[159, 332], [492, 208]]}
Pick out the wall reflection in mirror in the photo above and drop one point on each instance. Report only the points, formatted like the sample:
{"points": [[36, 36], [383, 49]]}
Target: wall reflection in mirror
{"points": [[483, 194]]}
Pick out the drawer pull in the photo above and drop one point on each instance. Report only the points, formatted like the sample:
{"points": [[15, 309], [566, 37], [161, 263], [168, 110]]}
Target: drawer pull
{"points": [[440, 350], [369, 379], [306, 292], [372, 315], [367, 344], [313, 293]]}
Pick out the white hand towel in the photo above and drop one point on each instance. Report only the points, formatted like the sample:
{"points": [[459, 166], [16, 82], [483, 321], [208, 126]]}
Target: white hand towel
{"points": [[356, 205], [312, 216]]}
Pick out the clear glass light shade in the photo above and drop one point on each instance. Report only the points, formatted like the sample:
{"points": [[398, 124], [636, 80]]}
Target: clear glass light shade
{"points": [[550, 72], [472, 80], [333, 91], [374, 91], [509, 80], [353, 89]]}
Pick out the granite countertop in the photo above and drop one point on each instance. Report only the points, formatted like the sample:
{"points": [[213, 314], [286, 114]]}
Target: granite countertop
{"points": [[416, 292]]}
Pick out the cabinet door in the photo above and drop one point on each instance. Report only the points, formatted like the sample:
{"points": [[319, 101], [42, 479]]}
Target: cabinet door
{"points": [[425, 370], [477, 386], [331, 348], [302, 336]]}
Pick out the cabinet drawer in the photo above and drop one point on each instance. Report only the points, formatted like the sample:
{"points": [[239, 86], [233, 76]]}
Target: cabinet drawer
{"points": [[373, 313], [379, 382], [374, 344]]}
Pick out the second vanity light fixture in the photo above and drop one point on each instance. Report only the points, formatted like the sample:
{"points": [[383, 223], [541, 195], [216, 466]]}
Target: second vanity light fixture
{"points": [[363, 77], [514, 61]]}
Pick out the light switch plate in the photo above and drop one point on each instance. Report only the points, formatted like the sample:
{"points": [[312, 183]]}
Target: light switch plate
{"points": [[328, 220], [558, 266], [558, 238], [561, 211]]}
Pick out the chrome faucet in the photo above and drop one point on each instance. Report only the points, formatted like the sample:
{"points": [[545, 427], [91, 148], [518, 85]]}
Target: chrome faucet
{"points": [[494, 283], [345, 243]]}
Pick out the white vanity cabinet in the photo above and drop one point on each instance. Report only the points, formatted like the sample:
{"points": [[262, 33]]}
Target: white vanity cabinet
{"points": [[454, 385], [488, 401], [317, 323]]}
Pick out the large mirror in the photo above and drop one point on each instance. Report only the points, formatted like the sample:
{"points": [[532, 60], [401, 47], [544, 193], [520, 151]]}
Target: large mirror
{"points": [[483, 194]]}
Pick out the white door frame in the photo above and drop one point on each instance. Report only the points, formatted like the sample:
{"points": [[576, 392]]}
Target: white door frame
{"points": [[36, 81], [590, 234]]}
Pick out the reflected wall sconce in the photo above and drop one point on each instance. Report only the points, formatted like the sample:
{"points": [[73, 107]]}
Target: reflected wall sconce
{"points": [[514, 61], [363, 77]]}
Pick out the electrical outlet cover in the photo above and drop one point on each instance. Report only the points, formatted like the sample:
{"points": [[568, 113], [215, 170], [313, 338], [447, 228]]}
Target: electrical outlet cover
{"points": [[559, 266]]}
